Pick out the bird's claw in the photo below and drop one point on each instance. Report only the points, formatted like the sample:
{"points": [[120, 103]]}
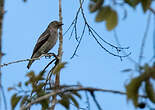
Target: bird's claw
{"points": [[48, 55]]}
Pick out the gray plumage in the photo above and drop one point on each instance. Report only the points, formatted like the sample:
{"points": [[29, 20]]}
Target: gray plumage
{"points": [[46, 41]]}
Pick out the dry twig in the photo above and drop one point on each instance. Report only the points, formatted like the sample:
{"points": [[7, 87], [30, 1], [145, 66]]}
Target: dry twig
{"points": [[72, 89]]}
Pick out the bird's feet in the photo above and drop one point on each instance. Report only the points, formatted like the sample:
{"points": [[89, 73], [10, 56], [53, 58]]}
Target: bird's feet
{"points": [[49, 55]]}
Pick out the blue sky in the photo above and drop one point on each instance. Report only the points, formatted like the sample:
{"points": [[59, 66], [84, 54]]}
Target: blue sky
{"points": [[24, 22]]}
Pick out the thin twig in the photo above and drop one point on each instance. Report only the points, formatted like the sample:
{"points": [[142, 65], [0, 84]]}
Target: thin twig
{"points": [[117, 48], [4, 97], [23, 60], [48, 64], [2, 12], [72, 89], [152, 10], [57, 79], [79, 42], [93, 33], [154, 39], [118, 43], [87, 100], [73, 22], [144, 40], [48, 73], [95, 100]]}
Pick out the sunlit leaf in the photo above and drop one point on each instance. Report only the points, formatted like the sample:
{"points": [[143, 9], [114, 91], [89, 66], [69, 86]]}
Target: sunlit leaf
{"points": [[150, 91], [76, 94], [96, 5], [132, 89], [30, 74], [74, 101], [10, 88], [103, 13], [108, 15], [45, 104], [23, 100], [146, 4], [112, 20], [65, 102], [59, 67], [14, 101], [133, 3]]}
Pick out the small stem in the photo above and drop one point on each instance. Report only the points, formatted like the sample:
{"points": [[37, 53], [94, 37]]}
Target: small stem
{"points": [[57, 79]]}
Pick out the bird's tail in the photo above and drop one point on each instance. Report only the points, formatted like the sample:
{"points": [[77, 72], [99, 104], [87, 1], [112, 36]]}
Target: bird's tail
{"points": [[30, 63]]}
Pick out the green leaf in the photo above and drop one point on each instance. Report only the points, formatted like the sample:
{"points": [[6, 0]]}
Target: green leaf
{"points": [[150, 91], [91, 7], [146, 4], [96, 5], [74, 101], [45, 104], [133, 3], [30, 74], [112, 20], [10, 88], [132, 89], [77, 94], [23, 100], [59, 67], [103, 13], [108, 15], [14, 101], [65, 102]]}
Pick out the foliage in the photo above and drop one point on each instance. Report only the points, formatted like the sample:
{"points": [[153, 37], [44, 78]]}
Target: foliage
{"points": [[39, 89], [134, 86], [107, 14]]}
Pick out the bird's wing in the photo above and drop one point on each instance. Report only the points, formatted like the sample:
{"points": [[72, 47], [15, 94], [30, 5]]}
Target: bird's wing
{"points": [[42, 39]]}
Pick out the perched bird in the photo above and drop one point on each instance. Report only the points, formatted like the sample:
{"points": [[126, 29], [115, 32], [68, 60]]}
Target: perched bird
{"points": [[46, 41]]}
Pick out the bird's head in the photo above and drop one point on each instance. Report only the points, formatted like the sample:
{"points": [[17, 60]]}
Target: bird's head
{"points": [[55, 24]]}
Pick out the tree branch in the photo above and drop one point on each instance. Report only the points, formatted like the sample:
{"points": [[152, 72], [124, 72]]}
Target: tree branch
{"points": [[152, 10], [72, 89], [93, 34], [144, 39], [57, 79], [23, 60], [2, 12]]}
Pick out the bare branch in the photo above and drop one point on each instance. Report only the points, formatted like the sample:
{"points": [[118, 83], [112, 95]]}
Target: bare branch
{"points": [[152, 10], [23, 60], [118, 43], [144, 39], [154, 39], [60, 52], [2, 12], [95, 100], [73, 22], [72, 89], [4, 97], [93, 33], [79, 41], [87, 98]]}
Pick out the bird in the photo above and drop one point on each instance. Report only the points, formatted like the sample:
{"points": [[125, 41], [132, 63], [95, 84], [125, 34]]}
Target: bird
{"points": [[46, 41]]}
